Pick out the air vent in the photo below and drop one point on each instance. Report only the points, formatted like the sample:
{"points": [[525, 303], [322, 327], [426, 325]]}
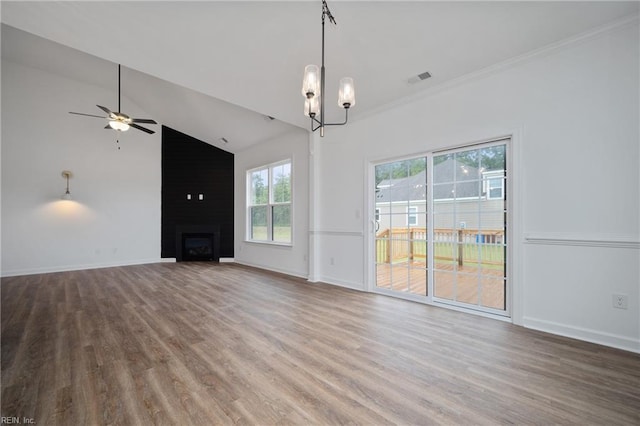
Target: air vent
{"points": [[420, 77]]}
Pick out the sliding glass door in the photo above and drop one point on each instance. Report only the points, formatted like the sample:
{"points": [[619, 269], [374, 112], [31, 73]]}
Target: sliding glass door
{"points": [[401, 226], [469, 233], [441, 223]]}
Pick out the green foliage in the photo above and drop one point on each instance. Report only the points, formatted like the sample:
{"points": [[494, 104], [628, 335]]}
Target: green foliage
{"points": [[487, 159], [282, 189], [260, 190], [400, 169], [490, 158], [281, 215]]}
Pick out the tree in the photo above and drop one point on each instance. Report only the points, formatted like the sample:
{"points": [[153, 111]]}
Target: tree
{"points": [[282, 189], [400, 169], [260, 190], [490, 158]]}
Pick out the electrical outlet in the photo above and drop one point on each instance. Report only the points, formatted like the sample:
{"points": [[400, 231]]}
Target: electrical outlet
{"points": [[331, 261], [620, 301]]}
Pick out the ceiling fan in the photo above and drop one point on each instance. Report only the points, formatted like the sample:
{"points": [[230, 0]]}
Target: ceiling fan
{"points": [[119, 121]]}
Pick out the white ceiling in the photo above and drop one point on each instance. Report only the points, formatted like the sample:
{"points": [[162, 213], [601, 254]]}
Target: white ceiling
{"points": [[201, 65]]}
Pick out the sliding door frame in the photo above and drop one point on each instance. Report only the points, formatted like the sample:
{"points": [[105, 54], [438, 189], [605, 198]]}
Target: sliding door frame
{"points": [[514, 302]]}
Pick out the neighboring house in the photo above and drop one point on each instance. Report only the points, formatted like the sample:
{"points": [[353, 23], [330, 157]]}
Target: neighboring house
{"points": [[464, 198]]}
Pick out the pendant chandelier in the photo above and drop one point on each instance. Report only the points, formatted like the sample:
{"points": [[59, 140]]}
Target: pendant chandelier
{"points": [[313, 88]]}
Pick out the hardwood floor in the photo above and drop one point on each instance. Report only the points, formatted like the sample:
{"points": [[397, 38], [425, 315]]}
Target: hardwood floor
{"points": [[204, 344]]}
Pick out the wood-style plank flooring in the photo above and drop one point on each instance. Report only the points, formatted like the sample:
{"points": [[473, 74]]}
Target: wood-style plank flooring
{"points": [[206, 344]]}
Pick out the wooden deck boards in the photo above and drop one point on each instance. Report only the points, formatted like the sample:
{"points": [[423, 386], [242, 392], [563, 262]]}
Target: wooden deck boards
{"points": [[484, 288], [204, 344]]}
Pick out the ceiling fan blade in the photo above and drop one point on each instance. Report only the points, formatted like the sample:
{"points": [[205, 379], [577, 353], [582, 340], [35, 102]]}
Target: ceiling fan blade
{"points": [[88, 115], [105, 109], [135, 126], [143, 120]]}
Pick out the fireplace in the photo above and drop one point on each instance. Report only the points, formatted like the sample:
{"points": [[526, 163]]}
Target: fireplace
{"points": [[197, 246], [197, 243]]}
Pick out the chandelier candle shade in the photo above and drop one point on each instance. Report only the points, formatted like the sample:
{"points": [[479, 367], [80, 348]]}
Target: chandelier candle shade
{"points": [[313, 88]]}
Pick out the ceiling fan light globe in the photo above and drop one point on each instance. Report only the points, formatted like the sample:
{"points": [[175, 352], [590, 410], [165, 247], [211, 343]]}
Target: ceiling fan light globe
{"points": [[118, 125]]}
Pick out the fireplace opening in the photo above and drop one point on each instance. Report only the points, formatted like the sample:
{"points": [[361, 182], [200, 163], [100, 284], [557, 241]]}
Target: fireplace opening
{"points": [[197, 246]]}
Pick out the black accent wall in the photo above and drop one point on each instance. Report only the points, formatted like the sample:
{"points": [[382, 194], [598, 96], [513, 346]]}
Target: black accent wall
{"points": [[190, 166]]}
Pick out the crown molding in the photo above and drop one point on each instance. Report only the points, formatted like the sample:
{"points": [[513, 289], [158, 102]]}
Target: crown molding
{"points": [[504, 65]]}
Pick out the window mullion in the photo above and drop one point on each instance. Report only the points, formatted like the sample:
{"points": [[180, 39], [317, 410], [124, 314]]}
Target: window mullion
{"points": [[270, 208], [430, 228]]}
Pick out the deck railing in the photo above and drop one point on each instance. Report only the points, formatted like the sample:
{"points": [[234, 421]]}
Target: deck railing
{"points": [[484, 246]]}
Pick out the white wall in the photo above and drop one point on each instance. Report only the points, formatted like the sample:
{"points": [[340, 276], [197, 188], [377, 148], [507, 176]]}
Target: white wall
{"points": [[115, 216], [573, 111], [293, 259]]}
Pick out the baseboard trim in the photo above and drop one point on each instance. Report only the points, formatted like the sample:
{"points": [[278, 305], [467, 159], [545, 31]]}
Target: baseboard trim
{"points": [[272, 269], [600, 338], [227, 260], [67, 268], [341, 283]]}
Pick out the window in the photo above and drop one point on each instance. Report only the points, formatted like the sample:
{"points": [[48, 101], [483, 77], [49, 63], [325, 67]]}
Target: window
{"points": [[412, 216], [269, 203], [494, 185]]}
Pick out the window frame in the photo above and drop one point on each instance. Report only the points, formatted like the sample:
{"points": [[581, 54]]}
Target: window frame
{"points": [[270, 203], [372, 269]]}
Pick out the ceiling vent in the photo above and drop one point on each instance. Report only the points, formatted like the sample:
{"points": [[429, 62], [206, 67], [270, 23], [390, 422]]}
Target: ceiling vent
{"points": [[420, 77]]}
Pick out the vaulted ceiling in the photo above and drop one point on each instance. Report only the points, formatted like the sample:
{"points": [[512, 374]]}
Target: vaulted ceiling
{"points": [[217, 69]]}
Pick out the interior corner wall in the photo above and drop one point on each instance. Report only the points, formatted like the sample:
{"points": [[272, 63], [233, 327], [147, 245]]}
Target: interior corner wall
{"points": [[114, 218], [294, 259], [574, 111]]}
